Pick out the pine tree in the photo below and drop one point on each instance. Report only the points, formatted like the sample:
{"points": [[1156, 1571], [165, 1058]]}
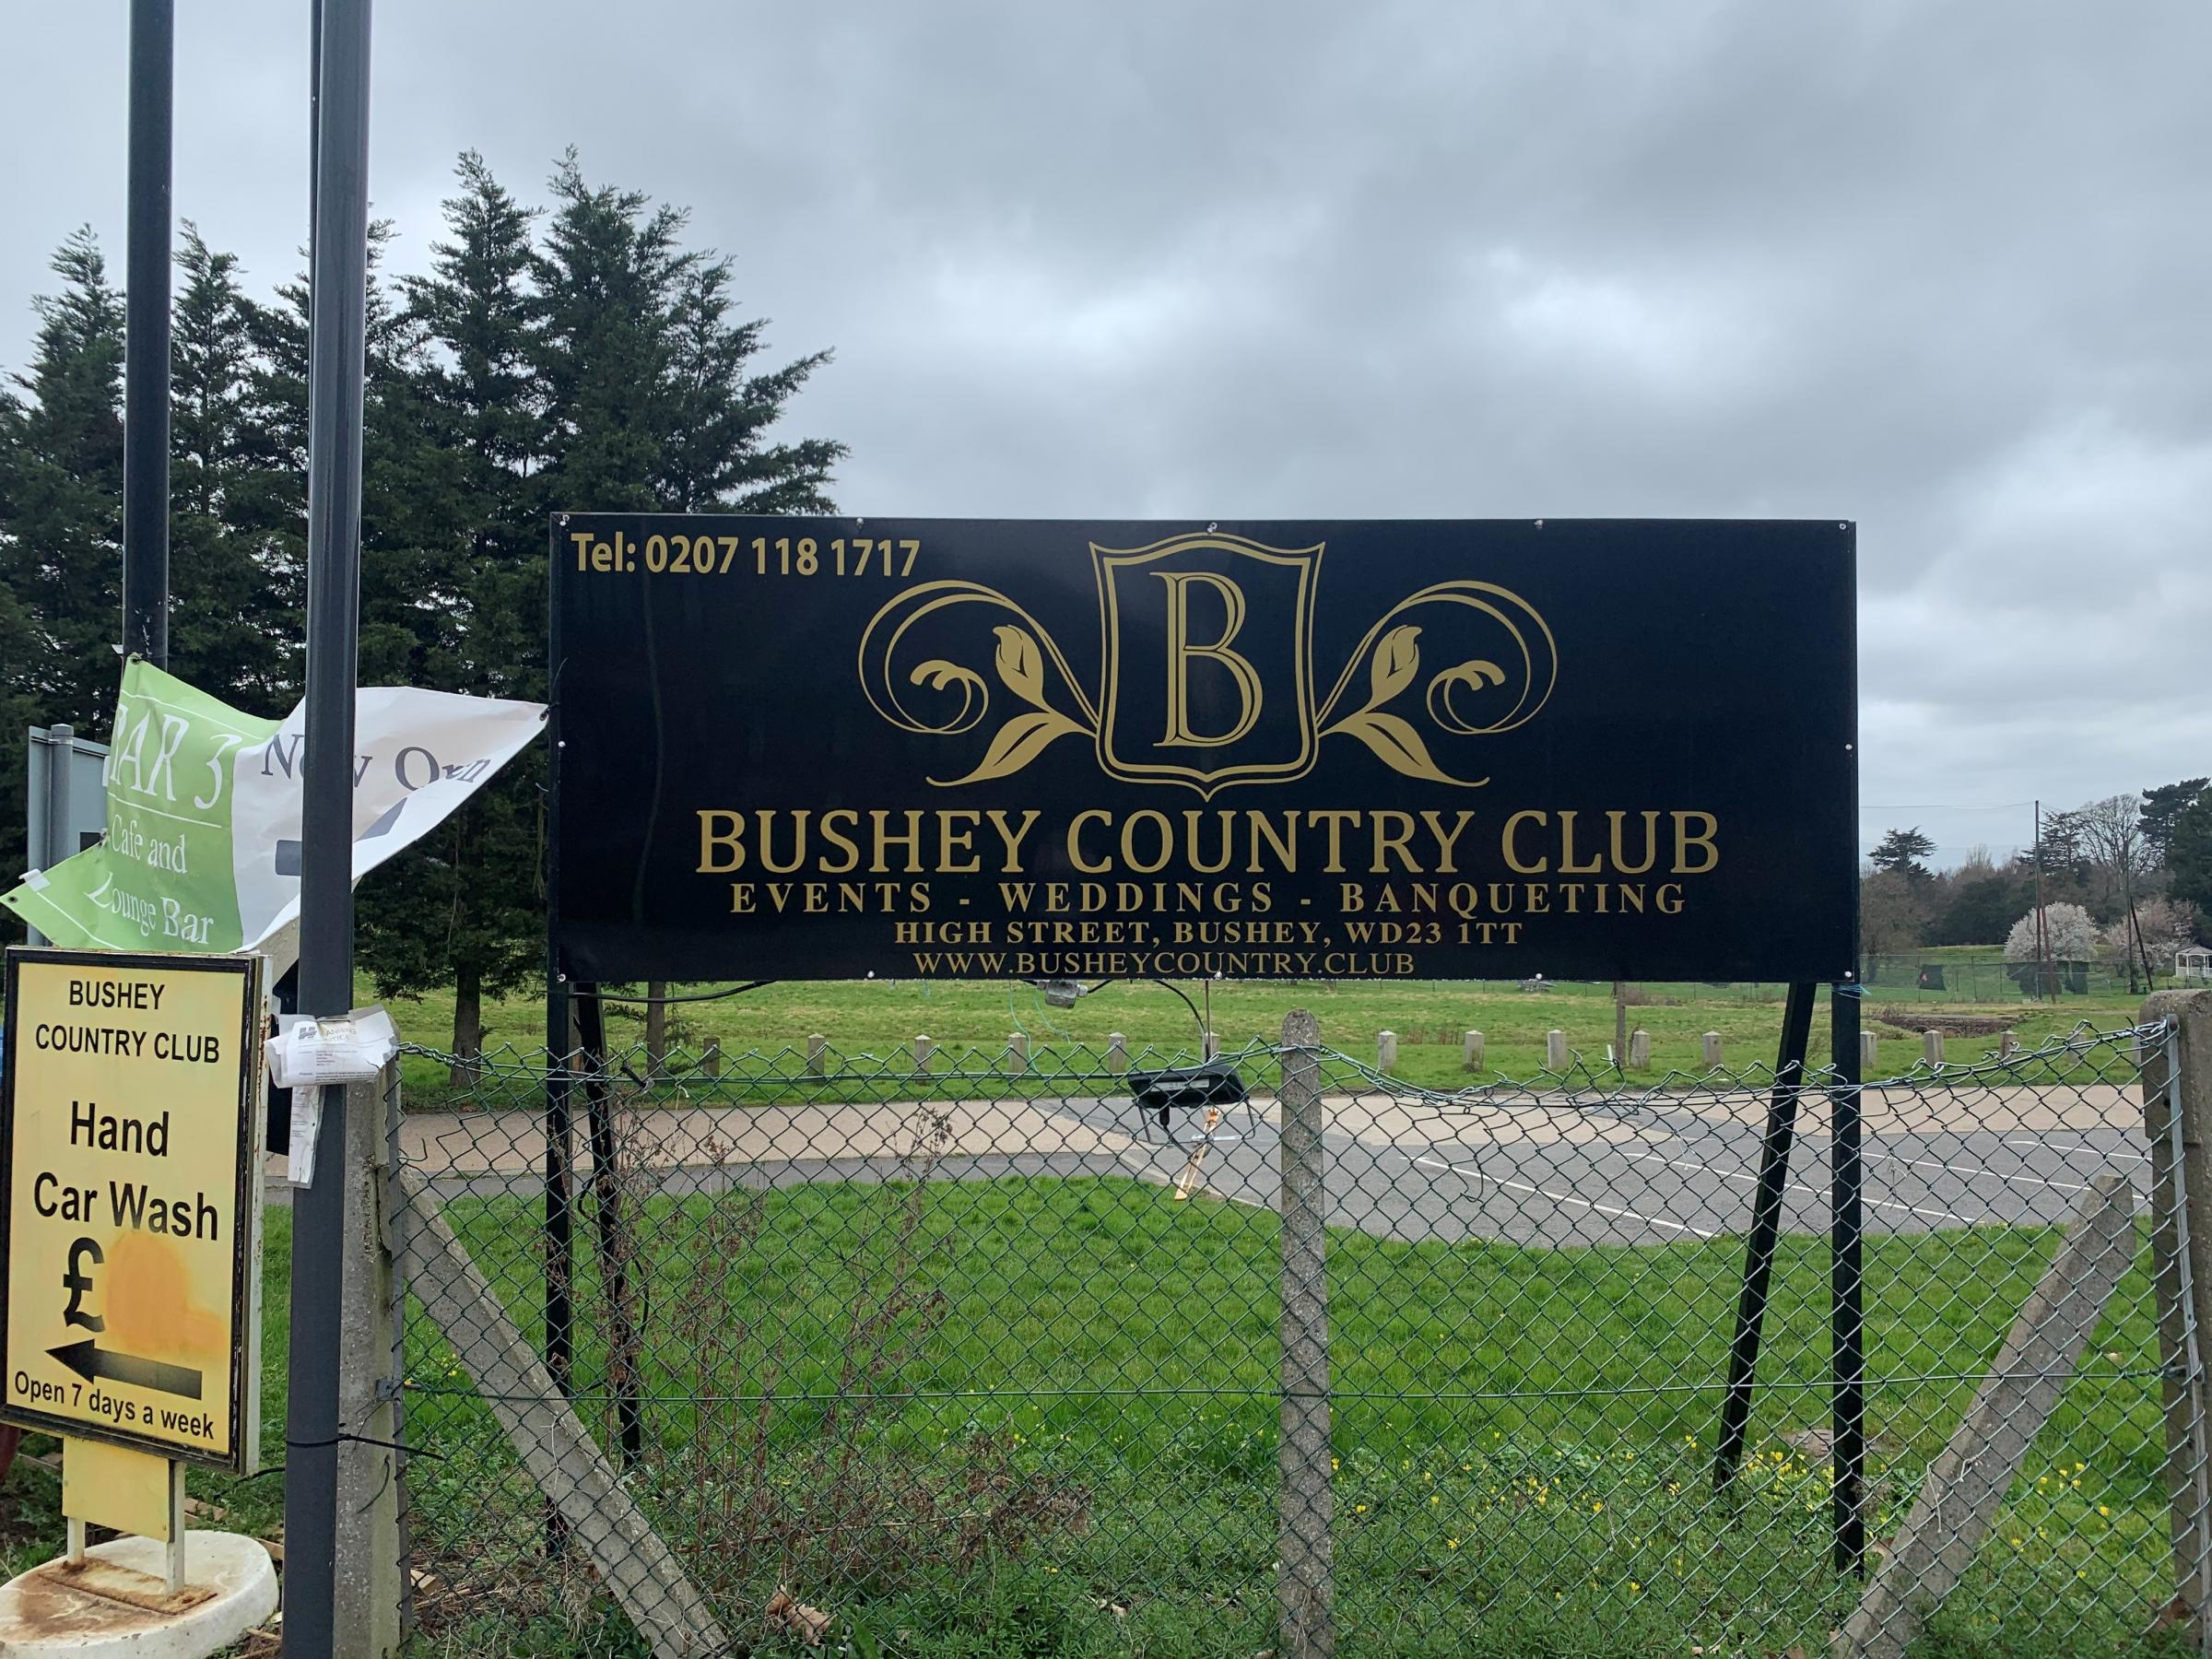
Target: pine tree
{"points": [[61, 494], [235, 623], [61, 525], [467, 906]]}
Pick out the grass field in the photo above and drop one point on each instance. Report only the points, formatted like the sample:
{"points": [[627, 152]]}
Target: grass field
{"points": [[1524, 1436], [882, 1019]]}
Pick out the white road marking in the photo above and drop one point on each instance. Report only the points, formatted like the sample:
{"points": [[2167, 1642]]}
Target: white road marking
{"points": [[1602, 1209], [2029, 1145], [1802, 1186]]}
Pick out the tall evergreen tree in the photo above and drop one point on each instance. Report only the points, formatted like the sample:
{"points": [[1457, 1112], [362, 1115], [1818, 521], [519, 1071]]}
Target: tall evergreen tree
{"points": [[61, 492], [467, 906], [235, 625], [61, 525]]}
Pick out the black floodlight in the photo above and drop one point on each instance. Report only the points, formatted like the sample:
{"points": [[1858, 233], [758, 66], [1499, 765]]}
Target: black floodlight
{"points": [[1216, 1083]]}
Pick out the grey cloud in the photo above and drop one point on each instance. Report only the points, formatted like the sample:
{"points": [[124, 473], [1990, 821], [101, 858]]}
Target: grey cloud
{"points": [[1935, 266]]}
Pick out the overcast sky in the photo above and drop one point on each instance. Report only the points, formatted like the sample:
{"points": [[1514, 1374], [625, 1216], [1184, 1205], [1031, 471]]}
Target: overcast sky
{"points": [[1944, 269]]}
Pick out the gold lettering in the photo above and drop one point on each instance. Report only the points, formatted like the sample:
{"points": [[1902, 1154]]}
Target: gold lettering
{"points": [[1512, 857], [1285, 846], [1650, 842], [1190, 822], [798, 848], [878, 821], [1181, 650], [956, 841], [1012, 836], [1334, 821], [1684, 841], [1166, 837], [1387, 843], [732, 839], [851, 851], [1074, 841], [1444, 843], [1567, 864]]}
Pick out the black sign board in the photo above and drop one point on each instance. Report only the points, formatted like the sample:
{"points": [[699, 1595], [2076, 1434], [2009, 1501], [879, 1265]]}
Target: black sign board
{"points": [[813, 748]]}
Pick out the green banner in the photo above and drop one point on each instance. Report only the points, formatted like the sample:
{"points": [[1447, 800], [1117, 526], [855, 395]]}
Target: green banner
{"points": [[163, 878]]}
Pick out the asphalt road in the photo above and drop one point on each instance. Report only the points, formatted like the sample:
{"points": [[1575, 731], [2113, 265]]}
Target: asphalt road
{"points": [[1554, 1177]]}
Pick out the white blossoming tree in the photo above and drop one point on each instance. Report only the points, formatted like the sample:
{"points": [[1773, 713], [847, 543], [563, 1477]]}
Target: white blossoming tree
{"points": [[2072, 936]]}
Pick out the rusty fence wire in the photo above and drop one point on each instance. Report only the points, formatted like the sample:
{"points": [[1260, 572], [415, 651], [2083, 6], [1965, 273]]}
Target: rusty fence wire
{"points": [[987, 1353]]}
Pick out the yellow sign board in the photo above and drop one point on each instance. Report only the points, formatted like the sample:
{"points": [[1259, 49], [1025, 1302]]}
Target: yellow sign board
{"points": [[130, 1201]]}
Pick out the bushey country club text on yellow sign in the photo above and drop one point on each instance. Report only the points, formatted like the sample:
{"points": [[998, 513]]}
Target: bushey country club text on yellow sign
{"points": [[132, 1194]]}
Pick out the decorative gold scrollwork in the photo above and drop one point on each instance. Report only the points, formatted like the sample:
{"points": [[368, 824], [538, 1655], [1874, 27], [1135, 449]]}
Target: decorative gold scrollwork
{"points": [[1477, 696], [931, 614], [1394, 659]]}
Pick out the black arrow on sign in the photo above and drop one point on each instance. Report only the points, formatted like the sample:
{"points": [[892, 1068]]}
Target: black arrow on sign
{"points": [[91, 1361]]}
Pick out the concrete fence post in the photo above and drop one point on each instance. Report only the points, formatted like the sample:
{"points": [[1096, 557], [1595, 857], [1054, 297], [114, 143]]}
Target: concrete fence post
{"points": [[1554, 1051], [1870, 1054], [1117, 1053], [709, 1057], [366, 1610], [2007, 1042], [1018, 1052], [1386, 1050], [925, 1056], [817, 1054], [1305, 1583], [1470, 1051], [2177, 1122], [1212, 1045], [1931, 1047], [1640, 1051], [1709, 1052]]}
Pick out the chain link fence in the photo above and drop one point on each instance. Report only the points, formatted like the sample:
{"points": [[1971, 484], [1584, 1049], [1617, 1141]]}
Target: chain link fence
{"points": [[984, 1353]]}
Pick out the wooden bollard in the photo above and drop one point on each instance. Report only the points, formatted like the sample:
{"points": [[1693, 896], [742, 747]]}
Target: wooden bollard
{"points": [[818, 1055], [1709, 1051], [1212, 1044], [1470, 1051], [2008, 1043], [1870, 1055], [1386, 1050], [1554, 1051], [1640, 1051], [925, 1057], [1117, 1053], [709, 1057], [1931, 1047], [1017, 1051]]}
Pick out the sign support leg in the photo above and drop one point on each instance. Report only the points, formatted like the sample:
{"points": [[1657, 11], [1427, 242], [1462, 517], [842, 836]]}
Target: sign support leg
{"points": [[173, 1556], [1847, 1287], [1766, 1226], [560, 1258], [607, 1204]]}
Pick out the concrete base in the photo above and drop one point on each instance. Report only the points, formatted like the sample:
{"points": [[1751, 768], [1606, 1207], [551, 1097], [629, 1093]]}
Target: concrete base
{"points": [[118, 1610]]}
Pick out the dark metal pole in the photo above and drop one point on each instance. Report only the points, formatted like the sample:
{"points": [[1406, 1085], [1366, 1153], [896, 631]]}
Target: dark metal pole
{"points": [[146, 335], [1766, 1227], [623, 1356], [1847, 1288], [338, 282], [560, 1258]]}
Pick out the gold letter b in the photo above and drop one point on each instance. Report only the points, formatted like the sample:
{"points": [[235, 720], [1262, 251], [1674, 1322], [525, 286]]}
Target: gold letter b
{"points": [[1180, 651]]}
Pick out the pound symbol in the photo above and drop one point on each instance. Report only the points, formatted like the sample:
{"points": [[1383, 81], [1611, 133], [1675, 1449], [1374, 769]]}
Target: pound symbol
{"points": [[77, 1281]]}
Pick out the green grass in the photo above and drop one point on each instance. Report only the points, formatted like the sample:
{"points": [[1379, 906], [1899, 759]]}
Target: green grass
{"points": [[1524, 1435], [880, 1019]]}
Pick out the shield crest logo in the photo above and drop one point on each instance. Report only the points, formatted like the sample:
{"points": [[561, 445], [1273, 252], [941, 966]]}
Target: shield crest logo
{"points": [[1207, 655]]}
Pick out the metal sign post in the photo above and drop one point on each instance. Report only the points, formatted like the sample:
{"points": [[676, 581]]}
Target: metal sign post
{"points": [[145, 336], [339, 291]]}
